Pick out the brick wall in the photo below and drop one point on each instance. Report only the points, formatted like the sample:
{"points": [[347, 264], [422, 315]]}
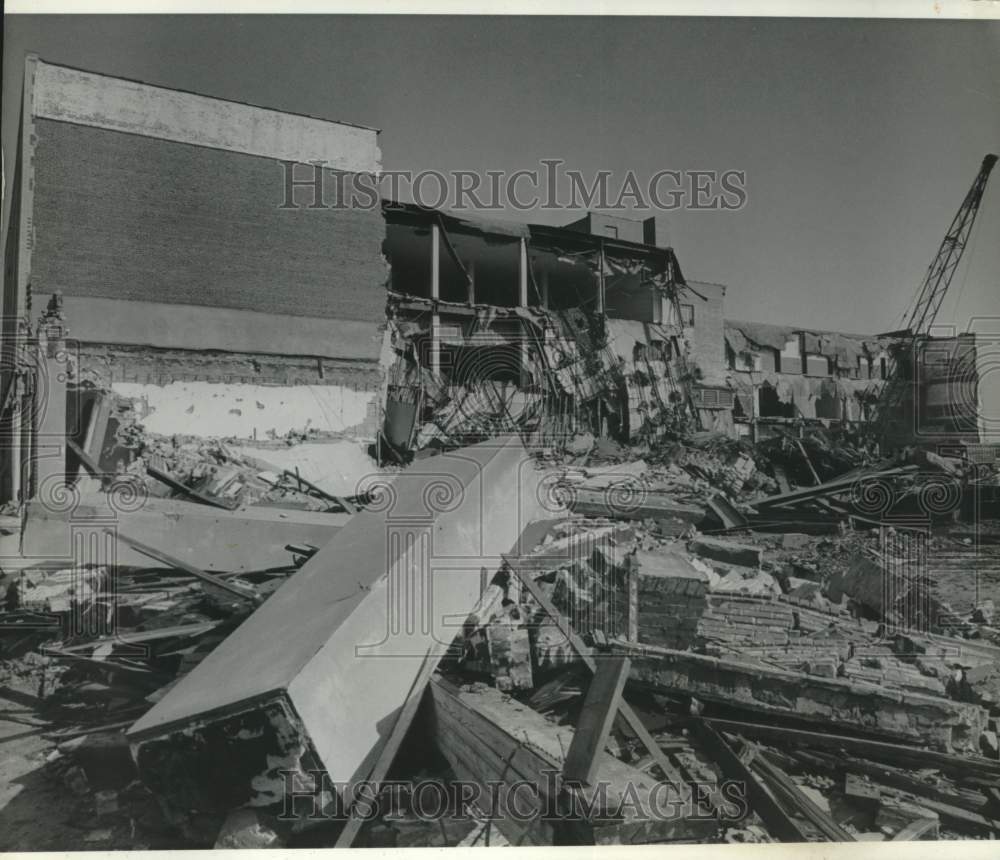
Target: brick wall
{"points": [[128, 217], [707, 337]]}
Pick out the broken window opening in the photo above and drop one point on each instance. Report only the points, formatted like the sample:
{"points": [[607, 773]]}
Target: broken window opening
{"points": [[770, 405]]}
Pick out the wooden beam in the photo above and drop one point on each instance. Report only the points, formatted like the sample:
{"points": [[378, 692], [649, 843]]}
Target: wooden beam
{"points": [[898, 778], [319, 491], [600, 278], [522, 275], [805, 456], [917, 830], [671, 774], [778, 822], [175, 485], [600, 707], [901, 754], [86, 460], [792, 796], [830, 488], [962, 819], [435, 358], [172, 561], [16, 311]]}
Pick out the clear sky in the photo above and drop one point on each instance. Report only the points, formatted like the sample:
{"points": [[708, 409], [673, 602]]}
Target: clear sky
{"points": [[858, 138]]}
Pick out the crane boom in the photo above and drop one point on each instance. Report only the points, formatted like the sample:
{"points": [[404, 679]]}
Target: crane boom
{"points": [[928, 302]]}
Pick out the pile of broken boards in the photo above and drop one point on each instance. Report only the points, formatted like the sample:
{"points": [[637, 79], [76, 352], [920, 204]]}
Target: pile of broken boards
{"points": [[785, 716], [89, 650], [674, 486], [214, 474], [914, 483]]}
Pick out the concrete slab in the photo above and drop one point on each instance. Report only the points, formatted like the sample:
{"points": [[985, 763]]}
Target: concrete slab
{"points": [[342, 641], [60, 528]]}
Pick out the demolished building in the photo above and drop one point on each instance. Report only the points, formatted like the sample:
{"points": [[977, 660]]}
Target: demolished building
{"points": [[596, 582], [218, 324]]}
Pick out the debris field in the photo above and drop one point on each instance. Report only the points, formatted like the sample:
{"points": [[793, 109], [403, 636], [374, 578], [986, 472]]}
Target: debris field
{"points": [[667, 646]]}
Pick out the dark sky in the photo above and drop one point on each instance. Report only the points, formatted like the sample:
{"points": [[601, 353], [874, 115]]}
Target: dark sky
{"points": [[858, 138]]}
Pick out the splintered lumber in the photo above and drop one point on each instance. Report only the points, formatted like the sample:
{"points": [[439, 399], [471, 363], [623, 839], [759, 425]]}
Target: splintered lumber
{"points": [[917, 830], [779, 823], [834, 702], [346, 505], [794, 798], [185, 490], [171, 561], [517, 756], [322, 668], [596, 718], [899, 779], [898, 754], [956, 816], [830, 488], [671, 774]]}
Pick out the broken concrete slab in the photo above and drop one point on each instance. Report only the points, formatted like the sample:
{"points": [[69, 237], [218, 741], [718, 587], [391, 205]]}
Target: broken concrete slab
{"points": [[863, 580], [331, 656], [730, 552], [903, 715], [630, 501], [209, 538], [795, 540]]}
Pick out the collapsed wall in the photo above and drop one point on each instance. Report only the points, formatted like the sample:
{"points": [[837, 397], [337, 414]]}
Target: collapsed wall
{"points": [[360, 618]]}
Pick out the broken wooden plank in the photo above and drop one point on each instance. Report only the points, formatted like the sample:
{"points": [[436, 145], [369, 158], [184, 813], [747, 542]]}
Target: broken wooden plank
{"points": [[319, 491], [790, 793], [596, 718], [171, 561], [901, 754], [185, 490], [898, 779], [86, 460], [726, 512], [919, 829], [956, 816], [492, 739], [778, 822], [830, 488], [670, 773], [805, 456]]}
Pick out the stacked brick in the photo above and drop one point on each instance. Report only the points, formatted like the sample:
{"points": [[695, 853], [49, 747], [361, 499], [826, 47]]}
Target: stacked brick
{"points": [[671, 609], [739, 621]]}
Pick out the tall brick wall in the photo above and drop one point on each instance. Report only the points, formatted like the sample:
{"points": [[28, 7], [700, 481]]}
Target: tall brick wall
{"points": [[707, 337], [130, 217]]}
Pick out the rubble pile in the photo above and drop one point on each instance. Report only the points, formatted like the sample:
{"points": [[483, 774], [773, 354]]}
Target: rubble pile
{"points": [[671, 626]]}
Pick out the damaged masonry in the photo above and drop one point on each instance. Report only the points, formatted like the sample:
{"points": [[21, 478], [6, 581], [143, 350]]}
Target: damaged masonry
{"points": [[519, 540]]}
